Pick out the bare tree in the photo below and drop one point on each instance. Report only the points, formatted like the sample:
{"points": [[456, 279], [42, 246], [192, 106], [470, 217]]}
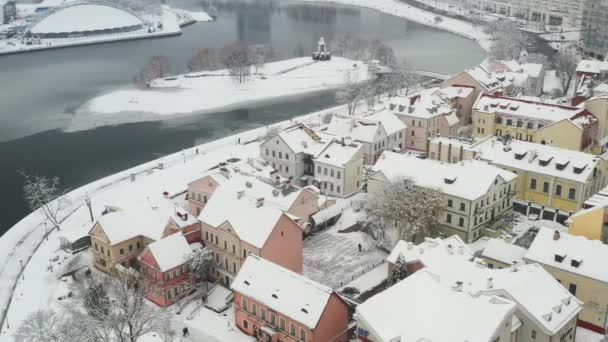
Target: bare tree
{"points": [[236, 59], [401, 80], [45, 194], [271, 131], [42, 326], [383, 53], [157, 67], [126, 319], [509, 40], [201, 264], [352, 92], [410, 209], [205, 59], [565, 62], [258, 55], [352, 47]]}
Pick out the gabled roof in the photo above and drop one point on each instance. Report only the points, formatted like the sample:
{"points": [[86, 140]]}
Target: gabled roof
{"points": [[147, 220], [251, 223], [282, 290], [520, 283], [519, 107], [528, 156], [338, 154], [355, 128], [301, 139], [391, 123], [423, 308], [471, 178], [170, 252], [483, 77], [499, 250], [578, 255], [425, 104]]}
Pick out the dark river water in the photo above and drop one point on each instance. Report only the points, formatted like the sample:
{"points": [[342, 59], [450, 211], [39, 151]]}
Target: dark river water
{"points": [[39, 91]]}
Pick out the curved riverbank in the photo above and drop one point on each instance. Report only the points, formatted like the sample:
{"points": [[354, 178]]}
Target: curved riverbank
{"points": [[405, 11]]}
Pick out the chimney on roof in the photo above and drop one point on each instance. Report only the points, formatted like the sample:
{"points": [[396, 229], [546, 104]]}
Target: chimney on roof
{"points": [[450, 249], [185, 217], [259, 202], [556, 235], [240, 194], [461, 250], [224, 172], [514, 267], [413, 99], [410, 246], [490, 283], [457, 286]]}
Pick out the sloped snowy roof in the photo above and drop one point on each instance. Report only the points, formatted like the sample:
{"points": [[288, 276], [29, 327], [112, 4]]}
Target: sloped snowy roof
{"points": [[338, 154], [499, 250], [282, 290], [171, 251], [528, 109], [391, 123], [592, 66], [481, 75], [494, 151], [302, 139], [85, 17], [251, 223], [522, 285], [422, 308], [472, 178], [592, 254], [431, 251], [142, 219], [355, 128], [453, 92], [425, 104]]}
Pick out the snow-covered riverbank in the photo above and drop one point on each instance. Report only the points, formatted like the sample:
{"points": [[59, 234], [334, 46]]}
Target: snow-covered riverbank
{"points": [[402, 10], [212, 91]]}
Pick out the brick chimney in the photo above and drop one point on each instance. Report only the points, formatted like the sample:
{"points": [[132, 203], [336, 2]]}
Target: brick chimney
{"points": [[556, 235], [259, 202]]}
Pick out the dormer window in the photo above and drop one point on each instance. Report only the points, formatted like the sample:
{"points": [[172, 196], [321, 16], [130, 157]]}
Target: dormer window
{"points": [[576, 262], [544, 160], [579, 170], [559, 257], [520, 155], [561, 165]]}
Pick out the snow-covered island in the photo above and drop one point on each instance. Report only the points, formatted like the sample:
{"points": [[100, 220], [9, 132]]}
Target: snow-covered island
{"points": [[215, 90]]}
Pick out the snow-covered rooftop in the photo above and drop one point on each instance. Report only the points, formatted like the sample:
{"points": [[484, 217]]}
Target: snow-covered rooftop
{"points": [[391, 123], [523, 155], [426, 104], [469, 179], [252, 223], [171, 251], [453, 92], [141, 219], [85, 17], [302, 139], [499, 250], [580, 255], [520, 283], [423, 308], [282, 290], [338, 154], [527, 109], [354, 128], [592, 66], [481, 75]]}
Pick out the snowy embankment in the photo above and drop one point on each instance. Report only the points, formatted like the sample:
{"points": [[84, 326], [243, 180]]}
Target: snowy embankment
{"points": [[212, 91], [402, 10], [33, 287]]}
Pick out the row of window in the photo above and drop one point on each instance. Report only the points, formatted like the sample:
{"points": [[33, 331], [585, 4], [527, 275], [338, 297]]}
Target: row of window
{"points": [[329, 172], [271, 318], [122, 250], [519, 123], [276, 154], [558, 189], [214, 239]]}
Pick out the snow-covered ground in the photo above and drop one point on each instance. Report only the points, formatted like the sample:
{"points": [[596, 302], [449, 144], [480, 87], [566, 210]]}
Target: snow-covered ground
{"points": [[370, 279], [399, 9], [585, 335], [333, 258], [207, 91]]}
